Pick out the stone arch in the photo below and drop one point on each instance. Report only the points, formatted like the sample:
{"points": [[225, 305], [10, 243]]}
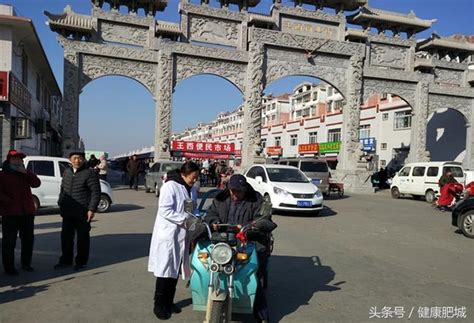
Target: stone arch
{"points": [[178, 82], [187, 66], [406, 91], [461, 104], [93, 67]]}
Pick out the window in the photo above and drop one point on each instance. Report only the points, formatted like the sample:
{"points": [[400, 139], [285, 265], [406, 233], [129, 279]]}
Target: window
{"points": [[432, 171], [402, 120], [260, 172], [338, 105], [155, 168], [252, 172], [315, 96], [405, 171], [286, 175], [63, 166], [24, 68], [334, 135], [457, 171], [384, 116], [38, 88], [313, 137], [278, 141], [364, 131], [330, 91], [273, 117], [383, 146], [329, 106], [293, 140], [293, 163], [42, 167], [313, 166], [419, 171], [264, 143]]}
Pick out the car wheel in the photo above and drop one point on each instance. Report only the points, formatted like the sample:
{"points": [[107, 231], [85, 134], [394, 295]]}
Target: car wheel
{"points": [[466, 221], [104, 204], [395, 192], [429, 196], [36, 203], [157, 190]]}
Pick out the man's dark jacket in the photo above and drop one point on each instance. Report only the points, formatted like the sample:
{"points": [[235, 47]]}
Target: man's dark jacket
{"points": [[133, 167], [80, 191]]}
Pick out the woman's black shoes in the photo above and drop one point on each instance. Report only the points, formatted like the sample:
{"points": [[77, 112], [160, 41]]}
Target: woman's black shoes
{"points": [[175, 309]]}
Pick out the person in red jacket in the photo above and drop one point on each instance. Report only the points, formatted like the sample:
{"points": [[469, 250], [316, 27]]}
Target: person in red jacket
{"points": [[18, 211]]}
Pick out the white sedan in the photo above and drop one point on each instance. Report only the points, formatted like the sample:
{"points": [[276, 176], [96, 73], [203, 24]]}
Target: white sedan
{"points": [[286, 187]]}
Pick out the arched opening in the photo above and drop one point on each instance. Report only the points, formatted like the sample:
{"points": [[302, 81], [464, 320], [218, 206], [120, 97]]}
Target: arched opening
{"points": [[302, 118], [116, 117], [208, 108], [446, 135], [385, 132]]}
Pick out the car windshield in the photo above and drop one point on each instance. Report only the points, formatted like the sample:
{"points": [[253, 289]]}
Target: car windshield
{"points": [[286, 175], [314, 167]]}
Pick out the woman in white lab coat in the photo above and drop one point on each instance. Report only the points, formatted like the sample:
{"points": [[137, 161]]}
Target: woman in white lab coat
{"points": [[169, 253]]}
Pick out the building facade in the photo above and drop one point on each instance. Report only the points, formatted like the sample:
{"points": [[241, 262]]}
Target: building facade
{"points": [[30, 98]]}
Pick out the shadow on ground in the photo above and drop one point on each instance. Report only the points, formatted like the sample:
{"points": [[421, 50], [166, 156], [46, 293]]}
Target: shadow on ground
{"points": [[106, 250], [325, 212]]}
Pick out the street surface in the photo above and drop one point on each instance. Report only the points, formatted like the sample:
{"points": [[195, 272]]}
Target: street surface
{"points": [[363, 252]]}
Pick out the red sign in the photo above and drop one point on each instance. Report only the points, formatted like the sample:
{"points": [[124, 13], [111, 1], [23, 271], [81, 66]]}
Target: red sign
{"points": [[308, 149], [19, 95], [3, 86], [203, 147], [274, 151], [238, 152]]}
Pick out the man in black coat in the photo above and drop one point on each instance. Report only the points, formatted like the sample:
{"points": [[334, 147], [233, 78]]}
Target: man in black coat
{"points": [[241, 204], [78, 201]]}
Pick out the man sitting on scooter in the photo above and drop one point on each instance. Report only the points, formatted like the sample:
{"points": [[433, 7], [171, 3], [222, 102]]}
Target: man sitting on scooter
{"points": [[241, 204]]}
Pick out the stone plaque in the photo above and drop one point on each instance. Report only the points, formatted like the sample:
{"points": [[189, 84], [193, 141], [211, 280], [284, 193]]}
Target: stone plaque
{"points": [[388, 56], [215, 31], [309, 28], [121, 33]]}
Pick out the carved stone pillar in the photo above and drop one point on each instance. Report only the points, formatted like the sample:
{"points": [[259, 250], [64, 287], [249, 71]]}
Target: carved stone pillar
{"points": [[419, 123], [251, 145], [350, 147], [469, 159], [164, 92], [70, 117]]}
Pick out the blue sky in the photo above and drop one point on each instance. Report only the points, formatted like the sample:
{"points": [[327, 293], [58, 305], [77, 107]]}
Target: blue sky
{"points": [[117, 114]]}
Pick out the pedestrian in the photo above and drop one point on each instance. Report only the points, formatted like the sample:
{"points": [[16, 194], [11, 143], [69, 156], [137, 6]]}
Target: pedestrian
{"points": [[18, 210], [133, 168], [382, 179], [78, 201], [93, 162], [446, 178], [169, 249], [103, 168]]}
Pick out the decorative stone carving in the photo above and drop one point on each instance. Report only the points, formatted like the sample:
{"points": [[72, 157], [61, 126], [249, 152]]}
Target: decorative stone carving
{"points": [[450, 65], [312, 14], [418, 152], [463, 105], [390, 56], [393, 74], [404, 90], [277, 38], [451, 90], [203, 51], [96, 66], [253, 103], [164, 96], [187, 66], [212, 12], [446, 76], [374, 38], [123, 34], [122, 18], [71, 101], [214, 31], [108, 50]]}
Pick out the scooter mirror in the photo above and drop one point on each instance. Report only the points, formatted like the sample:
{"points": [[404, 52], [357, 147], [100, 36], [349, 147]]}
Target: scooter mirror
{"points": [[189, 206]]}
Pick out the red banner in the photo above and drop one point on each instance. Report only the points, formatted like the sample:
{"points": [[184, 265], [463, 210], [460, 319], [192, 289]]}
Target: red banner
{"points": [[308, 149], [204, 147], [274, 151], [3, 86], [206, 155]]}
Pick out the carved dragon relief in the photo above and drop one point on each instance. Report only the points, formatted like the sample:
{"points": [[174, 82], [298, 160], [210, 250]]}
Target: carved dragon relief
{"points": [[97, 66], [390, 56], [214, 31]]}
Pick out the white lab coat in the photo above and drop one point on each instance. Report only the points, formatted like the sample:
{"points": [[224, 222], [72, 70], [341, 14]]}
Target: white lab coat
{"points": [[169, 247]]}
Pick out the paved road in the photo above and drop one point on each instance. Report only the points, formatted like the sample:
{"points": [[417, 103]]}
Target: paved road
{"points": [[364, 251]]}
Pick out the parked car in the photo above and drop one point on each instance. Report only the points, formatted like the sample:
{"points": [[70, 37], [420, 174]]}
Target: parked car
{"points": [[286, 187], [156, 175], [316, 169], [421, 179], [50, 171], [463, 216]]}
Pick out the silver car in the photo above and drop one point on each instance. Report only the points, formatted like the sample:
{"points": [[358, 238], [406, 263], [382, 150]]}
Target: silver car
{"points": [[156, 175]]}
